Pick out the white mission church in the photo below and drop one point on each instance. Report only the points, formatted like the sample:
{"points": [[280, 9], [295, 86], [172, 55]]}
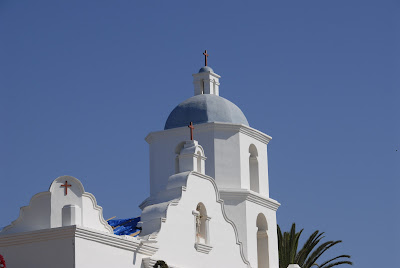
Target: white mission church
{"points": [[211, 190]]}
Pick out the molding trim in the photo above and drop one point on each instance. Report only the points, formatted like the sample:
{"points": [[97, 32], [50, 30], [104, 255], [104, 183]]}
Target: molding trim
{"points": [[36, 236], [151, 200], [99, 210], [203, 248], [246, 130], [251, 196], [123, 242], [206, 74], [192, 156]]}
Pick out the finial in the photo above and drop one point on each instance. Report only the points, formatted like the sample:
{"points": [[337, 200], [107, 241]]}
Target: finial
{"points": [[205, 55], [191, 130]]}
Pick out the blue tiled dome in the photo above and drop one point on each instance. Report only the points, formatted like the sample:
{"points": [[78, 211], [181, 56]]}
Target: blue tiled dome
{"points": [[205, 108], [206, 69]]}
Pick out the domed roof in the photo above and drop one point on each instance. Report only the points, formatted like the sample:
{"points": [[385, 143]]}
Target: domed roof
{"points": [[206, 69], [205, 108]]}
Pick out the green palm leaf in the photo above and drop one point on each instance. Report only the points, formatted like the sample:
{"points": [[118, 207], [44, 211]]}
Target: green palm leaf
{"points": [[309, 254], [326, 264], [338, 263]]}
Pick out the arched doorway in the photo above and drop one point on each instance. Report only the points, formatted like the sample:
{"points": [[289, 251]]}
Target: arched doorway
{"points": [[262, 242]]}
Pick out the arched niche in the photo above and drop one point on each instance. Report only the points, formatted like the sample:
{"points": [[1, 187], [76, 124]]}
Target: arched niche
{"points": [[253, 169], [178, 149], [199, 164], [262, 242], [201, 224]]}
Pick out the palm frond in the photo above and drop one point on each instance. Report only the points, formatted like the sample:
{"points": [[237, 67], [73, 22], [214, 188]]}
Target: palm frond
{"points": [[319, 251], [323, 265], [338, 263], [311, 251], [308, 246]]}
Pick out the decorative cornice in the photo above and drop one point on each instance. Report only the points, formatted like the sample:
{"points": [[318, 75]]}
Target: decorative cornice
{"points": [[124, 242], [192, 156], [246, 130], [251, 196], [206, 74], [203, 248], [36, 236]]}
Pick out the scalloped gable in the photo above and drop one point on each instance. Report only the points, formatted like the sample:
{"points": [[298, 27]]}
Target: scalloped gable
{"points": [[184, 190], [59, 207]]}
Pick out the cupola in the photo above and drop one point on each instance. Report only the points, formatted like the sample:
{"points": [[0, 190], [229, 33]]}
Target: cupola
{"points": [[206, 81]]}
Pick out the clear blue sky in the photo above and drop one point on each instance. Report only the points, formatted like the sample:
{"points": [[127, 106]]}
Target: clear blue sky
{"points": [[83, 82]]}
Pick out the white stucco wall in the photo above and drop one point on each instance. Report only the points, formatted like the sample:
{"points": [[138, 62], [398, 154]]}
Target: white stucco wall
{"points": [[243, 207], [168, 217], [226, 147], [46, 248], [252, 211], [45, 209], [176, 237], [72, 247], [97, 250], [262, 158], [162, 154]]}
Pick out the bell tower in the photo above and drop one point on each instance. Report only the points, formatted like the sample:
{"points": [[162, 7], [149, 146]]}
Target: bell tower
{"points": [[237, 159]]}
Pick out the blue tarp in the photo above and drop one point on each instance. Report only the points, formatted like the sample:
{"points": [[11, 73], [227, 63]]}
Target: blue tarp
{"points": [[125, 226]]}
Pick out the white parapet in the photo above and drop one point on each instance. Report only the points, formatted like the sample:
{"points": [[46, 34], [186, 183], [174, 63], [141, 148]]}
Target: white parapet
{"points": [[66, 203]]}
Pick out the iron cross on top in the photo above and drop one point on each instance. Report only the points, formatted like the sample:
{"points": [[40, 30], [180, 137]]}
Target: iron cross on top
{"points": [[191, 130], [66, 185], [205, 55]]}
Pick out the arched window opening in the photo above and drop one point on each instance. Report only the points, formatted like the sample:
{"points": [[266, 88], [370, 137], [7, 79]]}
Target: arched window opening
{"points": [[214, 91], [177, 164], [201, 221], [178, 149], [253, 169], [199, 162], [262, 242]]}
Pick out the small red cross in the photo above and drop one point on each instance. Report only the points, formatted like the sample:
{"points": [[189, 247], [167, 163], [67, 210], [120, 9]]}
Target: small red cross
{"points": [[66, 185], [205, 55], [191, 130]]}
